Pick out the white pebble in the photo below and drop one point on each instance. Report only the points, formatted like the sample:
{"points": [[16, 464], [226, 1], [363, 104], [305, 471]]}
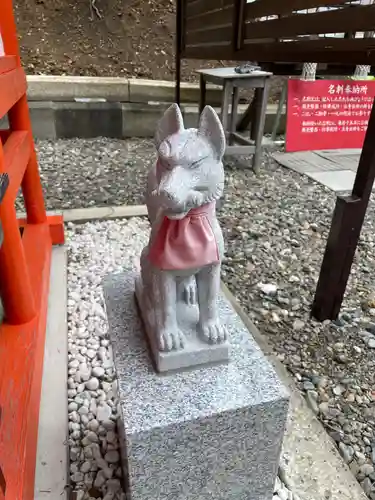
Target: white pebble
{"points": [[109, 425], [72, 407], [90, 353], [83, 410], [77, 477], [98, 371], [92, 437], [267, 288], [100, 479], [84, 419], [74, 417], [86, 467], [93, 407], [106, 386], [110, 495], [113, 485], [93, 425], [92, 384], [83, 333], [74, 363], [74, 454], [103, 412], [112, 457], [111, 437], [80, 388], [88, 452], [97, 310]]}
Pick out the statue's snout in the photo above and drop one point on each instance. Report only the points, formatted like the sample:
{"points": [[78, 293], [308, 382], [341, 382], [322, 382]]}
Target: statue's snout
{"points": [[173, 188]]}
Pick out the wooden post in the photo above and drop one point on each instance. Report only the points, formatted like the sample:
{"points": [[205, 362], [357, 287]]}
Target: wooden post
{"points": [[258, 128], [15, 286], [19, 119], [344, 234], [202, 93], [233, 115], [179, 29], [226, 99]]}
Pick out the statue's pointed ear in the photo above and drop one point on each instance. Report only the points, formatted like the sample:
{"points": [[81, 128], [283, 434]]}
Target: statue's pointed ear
{"points": [[211, 128], [171, 122]]}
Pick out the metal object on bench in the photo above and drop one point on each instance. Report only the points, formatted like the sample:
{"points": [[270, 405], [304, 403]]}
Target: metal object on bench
{"points": [[245, 69], [232, 82]]}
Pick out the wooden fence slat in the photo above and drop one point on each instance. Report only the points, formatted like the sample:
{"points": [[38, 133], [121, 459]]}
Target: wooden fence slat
{"points": [[198, 7], [217, 18], [269, 47], [274, 53], [213, 35], [303, 45], [359, 18], [262, 8]]}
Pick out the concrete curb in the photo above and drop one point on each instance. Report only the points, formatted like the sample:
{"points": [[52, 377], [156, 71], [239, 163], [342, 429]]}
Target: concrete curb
{"points": [[118, 120], [113, 89], [52, 465], [98, 213], [87, 107], [81, 215]]}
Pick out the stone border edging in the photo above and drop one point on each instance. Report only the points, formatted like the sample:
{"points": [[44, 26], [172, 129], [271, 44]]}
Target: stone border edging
{"points": [[117, 120], [113, 89], [63, 107], [82, 215]]}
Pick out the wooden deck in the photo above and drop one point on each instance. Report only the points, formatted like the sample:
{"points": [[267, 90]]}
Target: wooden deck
{"points": [[335, 169]]}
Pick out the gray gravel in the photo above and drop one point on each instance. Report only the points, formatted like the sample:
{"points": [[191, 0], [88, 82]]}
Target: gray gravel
{"points": [[81, 173], [275, 227]]}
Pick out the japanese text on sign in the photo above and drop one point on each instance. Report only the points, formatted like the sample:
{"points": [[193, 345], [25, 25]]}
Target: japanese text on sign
{"points": [[328, 114]]}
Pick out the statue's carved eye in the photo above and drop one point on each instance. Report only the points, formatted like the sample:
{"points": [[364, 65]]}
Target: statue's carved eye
{"points": [[199, 162]]}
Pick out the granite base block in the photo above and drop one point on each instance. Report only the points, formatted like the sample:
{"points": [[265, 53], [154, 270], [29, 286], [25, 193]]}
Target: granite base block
{"points": [[196, 351], [207, 433]]}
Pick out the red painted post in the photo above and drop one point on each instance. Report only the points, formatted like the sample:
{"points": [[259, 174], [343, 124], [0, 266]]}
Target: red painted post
{"points": [[19, 119], [32, 191], [16, 291]]}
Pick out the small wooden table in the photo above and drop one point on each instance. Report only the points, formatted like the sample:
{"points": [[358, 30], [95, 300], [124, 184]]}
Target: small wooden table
{"points": [[255, 114]]}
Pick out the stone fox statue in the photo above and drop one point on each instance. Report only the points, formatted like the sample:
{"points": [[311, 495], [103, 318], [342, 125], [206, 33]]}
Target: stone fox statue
{"points": [[183, 257]]}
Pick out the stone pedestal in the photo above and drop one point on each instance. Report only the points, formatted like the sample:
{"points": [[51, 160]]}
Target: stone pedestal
{"points": [[208, 433]]}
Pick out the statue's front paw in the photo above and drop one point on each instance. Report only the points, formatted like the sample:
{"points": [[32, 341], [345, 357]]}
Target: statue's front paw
{"points": [[213, 332], [190, 294], [170, 340]]}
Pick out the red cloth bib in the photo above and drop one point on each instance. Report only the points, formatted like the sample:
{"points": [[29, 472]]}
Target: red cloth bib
{"points": [[187, 243]]}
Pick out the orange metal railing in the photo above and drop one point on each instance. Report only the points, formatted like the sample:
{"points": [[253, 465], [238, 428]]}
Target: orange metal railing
{"points": [[24, 277]]}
